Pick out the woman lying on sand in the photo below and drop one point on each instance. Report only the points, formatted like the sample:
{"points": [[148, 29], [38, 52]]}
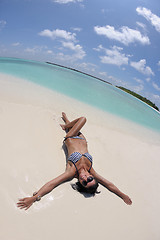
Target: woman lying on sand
{"points": [[79, 165]]}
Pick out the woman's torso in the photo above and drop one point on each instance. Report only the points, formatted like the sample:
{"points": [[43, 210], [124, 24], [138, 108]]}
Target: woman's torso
{"points": [[78, 145]]}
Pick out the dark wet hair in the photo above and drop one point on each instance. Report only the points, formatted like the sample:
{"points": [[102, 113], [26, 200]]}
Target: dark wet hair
{"points": [[80, 188]]}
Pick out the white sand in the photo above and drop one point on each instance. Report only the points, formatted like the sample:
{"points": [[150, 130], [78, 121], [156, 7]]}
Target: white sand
{"points": [[31, 154]]}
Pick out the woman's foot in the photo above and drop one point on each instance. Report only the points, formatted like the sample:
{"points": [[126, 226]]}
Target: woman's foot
{"points": [[64, 117], [63, 126]]}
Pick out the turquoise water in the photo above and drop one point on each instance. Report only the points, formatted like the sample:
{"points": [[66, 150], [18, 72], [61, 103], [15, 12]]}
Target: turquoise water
{"points": [[84, 88]]}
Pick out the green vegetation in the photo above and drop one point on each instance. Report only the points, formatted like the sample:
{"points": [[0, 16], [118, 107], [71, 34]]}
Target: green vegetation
{"points": [[140, 97]]}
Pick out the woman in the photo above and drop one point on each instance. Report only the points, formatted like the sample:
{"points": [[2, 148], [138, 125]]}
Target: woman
{"points": [[79, 165]]}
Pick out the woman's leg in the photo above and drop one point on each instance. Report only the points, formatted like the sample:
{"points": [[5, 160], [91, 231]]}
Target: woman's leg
{"points": [[65, 118], [74, 126]]}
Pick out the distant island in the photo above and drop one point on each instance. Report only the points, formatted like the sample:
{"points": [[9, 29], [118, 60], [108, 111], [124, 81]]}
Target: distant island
{"points": [[139, 97], [73, 69]]}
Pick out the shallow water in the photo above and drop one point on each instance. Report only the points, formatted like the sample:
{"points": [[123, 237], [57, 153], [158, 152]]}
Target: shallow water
{"points": [[84, 88]]}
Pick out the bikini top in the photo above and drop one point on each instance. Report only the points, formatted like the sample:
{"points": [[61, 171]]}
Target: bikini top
{"points": [[76, 156]]}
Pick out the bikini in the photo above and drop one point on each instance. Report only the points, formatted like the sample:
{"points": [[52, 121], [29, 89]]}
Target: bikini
{"points": [[74, 137], [76, 156]]}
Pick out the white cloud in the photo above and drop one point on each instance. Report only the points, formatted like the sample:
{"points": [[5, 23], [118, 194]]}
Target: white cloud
{"points": [[152, 18], [66, 1], [69, 43], [49, 51], [65, 58], [71, 46], [141, 67], [87, 67], [16, 44], [113, 56], [158, 63], [156, 86], [35, 49], [58, 33], [126, 84], [156, 98], [104, 74], [79, 52], [138, 80], [103, 10], [142, 25], [99, 48], [125, 35], [2, 24], [60, 57], [32, 50], [148, 79], [77, 29], [138, 88], [116, 81]]}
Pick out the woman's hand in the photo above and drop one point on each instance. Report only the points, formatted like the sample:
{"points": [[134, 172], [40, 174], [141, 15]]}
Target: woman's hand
{"points": [[25, 202], [127, 200]]}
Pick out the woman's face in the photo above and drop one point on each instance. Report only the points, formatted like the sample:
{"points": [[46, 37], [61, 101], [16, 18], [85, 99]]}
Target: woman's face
{"points": [[86, 180]]}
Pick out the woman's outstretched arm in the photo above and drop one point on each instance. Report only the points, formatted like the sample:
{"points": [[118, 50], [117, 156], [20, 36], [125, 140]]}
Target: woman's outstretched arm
{"points": [[48, 187], [111, 187]]}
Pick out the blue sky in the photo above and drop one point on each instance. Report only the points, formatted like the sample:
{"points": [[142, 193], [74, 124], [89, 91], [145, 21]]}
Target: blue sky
{"points": [[115, 40]]}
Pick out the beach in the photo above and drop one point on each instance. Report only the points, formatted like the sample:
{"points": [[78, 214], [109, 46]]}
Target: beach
{"points": [[31, 154]]}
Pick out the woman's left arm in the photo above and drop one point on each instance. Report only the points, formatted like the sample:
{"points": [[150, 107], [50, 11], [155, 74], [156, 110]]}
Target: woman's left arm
{"points": [[48, 187], [111, 187]]}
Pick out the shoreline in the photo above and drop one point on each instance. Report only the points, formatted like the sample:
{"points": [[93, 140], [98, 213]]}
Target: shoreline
{"points": [[115, 122], [87, 74]]}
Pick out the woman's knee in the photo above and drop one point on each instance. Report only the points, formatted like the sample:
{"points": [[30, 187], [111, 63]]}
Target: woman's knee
{"points": [[83, 119]]}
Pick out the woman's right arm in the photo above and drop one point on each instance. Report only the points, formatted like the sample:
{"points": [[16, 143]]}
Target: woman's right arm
{"points": [[48, 187]]}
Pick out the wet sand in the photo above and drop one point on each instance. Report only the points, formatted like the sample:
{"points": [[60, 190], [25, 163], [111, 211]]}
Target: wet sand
{"points": [[31, 154]]}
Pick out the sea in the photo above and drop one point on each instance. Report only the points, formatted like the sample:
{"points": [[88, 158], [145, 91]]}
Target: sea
{"points": [[84, 88]]}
